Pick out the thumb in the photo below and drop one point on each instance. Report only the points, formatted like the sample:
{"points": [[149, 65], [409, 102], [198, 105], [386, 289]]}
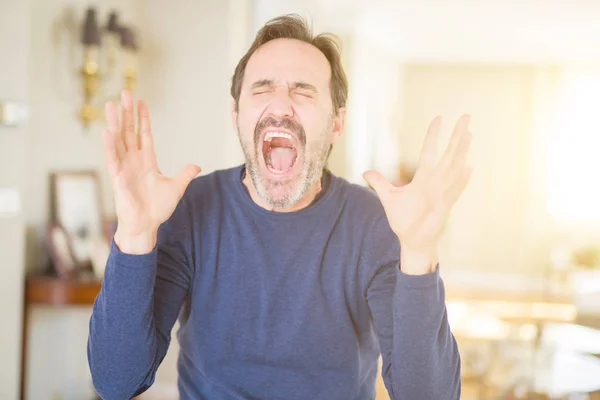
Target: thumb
{"points": [[377, 182], [185, 176]]}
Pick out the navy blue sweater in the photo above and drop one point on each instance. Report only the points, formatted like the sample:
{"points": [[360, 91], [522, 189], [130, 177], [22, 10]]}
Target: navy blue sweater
{"points": [[273, 305]]}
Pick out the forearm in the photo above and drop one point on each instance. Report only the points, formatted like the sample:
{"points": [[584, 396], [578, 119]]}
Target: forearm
{"points": [[123, 345], [425, 359]]}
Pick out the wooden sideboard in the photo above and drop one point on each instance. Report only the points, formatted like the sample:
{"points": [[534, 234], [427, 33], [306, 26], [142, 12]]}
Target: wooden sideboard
{"points": [[53, 292]]}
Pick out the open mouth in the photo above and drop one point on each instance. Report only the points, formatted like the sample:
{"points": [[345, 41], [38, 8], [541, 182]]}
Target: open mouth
{"points": [[279, 151]]}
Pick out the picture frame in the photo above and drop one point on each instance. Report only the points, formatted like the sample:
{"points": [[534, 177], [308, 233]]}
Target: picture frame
{"points": [[76, 206]]}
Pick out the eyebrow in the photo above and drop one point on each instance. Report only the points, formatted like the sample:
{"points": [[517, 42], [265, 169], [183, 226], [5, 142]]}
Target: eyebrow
{"points": [[295, 85]]}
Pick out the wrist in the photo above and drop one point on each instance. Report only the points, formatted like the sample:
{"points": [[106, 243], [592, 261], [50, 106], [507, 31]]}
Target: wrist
{"points": [[136, 243], [417, 262]]}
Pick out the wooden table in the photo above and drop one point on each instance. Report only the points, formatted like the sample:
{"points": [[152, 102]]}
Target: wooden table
{"points": [[509, 307], [53, 292]]}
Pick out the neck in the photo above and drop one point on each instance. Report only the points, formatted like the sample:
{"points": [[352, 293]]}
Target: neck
{"points": [[304, 202]]}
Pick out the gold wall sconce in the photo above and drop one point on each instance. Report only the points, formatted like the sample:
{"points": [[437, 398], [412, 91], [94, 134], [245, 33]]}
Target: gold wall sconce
{"points": [[107, 52]]}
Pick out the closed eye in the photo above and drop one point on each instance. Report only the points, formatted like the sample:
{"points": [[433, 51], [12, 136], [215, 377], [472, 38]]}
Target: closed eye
{"points": [[262, 86], [262, 91], [305, 93], [304, 89]]}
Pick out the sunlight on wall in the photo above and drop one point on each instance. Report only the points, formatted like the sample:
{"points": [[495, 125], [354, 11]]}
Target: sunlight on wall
{"points": [[574, 154]]}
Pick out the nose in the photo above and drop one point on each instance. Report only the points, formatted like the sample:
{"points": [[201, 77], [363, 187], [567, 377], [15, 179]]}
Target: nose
{"points": [[281, 105]]}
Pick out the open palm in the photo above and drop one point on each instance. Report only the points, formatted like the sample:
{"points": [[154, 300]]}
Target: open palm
{"points": [[144, 198], [418, 212]]}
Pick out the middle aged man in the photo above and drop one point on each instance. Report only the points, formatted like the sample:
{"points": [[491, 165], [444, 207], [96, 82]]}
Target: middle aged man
{"points": [[288, 281]]}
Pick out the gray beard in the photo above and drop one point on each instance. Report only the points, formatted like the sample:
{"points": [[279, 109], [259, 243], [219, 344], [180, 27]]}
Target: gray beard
{"points": [[315, 160]]}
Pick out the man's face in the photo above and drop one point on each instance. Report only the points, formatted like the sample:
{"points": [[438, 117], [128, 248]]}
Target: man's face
{"points": [[285, 119]]}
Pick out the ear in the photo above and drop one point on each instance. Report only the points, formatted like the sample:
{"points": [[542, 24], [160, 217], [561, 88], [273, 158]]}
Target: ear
{"points": [[338, 124], [234, 116]]}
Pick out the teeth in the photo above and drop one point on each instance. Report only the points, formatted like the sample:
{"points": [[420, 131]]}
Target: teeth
{"points": [[270, 135]]}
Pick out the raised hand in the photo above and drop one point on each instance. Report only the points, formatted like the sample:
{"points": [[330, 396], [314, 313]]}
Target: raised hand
{"points": [[418, 212], [144, 198]]}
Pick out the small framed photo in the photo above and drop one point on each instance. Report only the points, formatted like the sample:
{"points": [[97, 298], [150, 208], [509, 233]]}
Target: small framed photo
{"points": [[76, 207], [58, 243]]}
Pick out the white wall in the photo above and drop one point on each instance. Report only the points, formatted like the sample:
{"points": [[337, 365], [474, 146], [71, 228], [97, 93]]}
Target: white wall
{"points": [[189, 64], [373, 111], [14, 20], [498, 224], [462, 31]]}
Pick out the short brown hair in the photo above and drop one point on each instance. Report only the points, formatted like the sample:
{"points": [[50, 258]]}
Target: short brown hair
{"points": [[293, 26]]}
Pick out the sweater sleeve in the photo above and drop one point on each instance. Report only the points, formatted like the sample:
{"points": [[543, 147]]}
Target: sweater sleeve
{"points": [[420, 354], [134, 313]]}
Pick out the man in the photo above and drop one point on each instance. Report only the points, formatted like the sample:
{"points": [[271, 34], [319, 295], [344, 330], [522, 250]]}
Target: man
{"points": [[288, 281]]}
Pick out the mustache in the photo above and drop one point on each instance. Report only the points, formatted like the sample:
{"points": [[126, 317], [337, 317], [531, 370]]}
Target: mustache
{"points": [[286, 123]]}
